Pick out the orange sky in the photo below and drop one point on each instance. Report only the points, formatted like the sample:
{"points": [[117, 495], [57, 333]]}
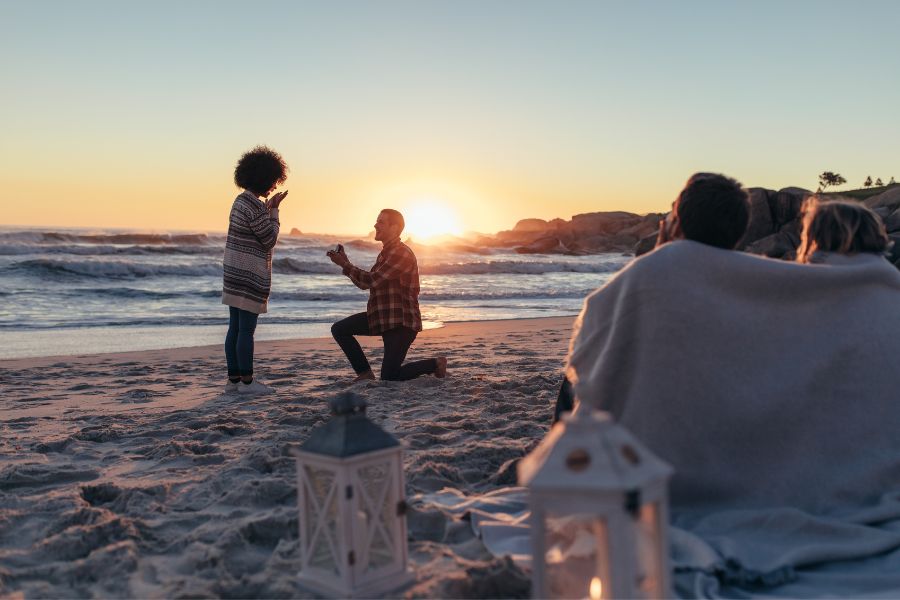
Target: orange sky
{"points": [[343, 201], [133, 114]]}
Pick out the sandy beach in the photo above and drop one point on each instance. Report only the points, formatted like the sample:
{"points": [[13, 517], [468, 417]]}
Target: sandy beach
{"points": [[132, 475]]}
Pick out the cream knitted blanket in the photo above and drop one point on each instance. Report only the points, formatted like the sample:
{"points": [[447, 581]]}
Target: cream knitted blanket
{"points": [[772, 388], [762, 382]]}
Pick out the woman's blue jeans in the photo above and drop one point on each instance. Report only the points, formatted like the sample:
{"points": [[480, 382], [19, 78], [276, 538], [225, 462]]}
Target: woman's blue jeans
{"points": [[239, 341]]}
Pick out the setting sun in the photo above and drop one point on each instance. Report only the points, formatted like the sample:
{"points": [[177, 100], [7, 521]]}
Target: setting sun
{"points": [[430, 218]]}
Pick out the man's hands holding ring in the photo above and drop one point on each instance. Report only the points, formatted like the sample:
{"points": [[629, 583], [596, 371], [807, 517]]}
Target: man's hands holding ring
{"points": [[338, 257]]}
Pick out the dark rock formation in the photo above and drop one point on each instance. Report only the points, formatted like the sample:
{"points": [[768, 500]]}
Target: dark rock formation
{"points": [[528, 225], [545, 245], [557, 223], [778, 245], [587, 233], [295, 231], [601, 222], [774, 228], [889, 199], [892, 221], [761, 223], [887, 204], [786, 204]]}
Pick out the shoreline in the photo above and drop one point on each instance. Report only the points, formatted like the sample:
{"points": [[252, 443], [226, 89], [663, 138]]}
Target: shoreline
{"points": [[263, 345]]}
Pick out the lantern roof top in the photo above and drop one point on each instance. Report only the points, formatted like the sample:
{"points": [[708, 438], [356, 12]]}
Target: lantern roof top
{"points": [[588, 451], [348, 432]]}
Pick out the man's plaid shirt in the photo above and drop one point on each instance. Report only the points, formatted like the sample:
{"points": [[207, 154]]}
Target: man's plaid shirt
{"points": [[393, 285]]}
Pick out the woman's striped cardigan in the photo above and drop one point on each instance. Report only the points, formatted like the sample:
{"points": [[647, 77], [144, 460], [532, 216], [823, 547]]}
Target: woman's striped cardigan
{"points": [[252, 233]]}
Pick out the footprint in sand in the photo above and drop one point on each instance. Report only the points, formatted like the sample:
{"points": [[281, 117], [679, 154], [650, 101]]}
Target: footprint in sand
{"points": [[140, 396], [42, 475]]}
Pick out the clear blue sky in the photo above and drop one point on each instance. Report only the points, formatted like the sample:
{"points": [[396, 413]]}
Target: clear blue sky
{"points": [[133, 114]]}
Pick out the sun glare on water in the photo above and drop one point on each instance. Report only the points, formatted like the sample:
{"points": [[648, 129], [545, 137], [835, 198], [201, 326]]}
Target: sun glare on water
{"points": [[426, 219]]}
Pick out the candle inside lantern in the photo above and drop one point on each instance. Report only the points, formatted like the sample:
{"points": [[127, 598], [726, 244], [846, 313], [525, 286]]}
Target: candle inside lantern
{"points": [[589, 484], [648, 574], [596, 590]]}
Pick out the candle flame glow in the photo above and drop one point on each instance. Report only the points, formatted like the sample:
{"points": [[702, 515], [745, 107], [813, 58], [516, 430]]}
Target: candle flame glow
{"points": [[596, 588]]}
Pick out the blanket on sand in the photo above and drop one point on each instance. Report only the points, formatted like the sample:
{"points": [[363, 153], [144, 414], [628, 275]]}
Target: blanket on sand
{"points": [[764, 553], [772, 389]]}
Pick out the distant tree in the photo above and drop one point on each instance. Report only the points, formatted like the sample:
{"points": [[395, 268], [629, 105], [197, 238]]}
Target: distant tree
{"points": [[830, 179], [891, 182], [878, 182], [868, 182]]}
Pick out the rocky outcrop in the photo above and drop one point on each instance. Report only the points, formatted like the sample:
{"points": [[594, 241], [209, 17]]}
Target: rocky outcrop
{"points": [[892, 221], [530, 225], [889, 199], [775, 222], [761, 222], [785, 214], [587, 233], [887, 204], [590, 224], [774, 228], [545, 245]]}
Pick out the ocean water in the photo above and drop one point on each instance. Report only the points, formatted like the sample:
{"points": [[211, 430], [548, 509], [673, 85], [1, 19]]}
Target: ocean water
{"points": [[80, 291]]}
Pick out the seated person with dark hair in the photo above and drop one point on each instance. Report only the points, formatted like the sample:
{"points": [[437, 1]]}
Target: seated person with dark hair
{"points": [[711, 209]]}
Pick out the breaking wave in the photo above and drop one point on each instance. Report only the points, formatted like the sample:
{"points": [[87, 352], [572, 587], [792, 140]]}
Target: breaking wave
{"points": [[123, 269]]}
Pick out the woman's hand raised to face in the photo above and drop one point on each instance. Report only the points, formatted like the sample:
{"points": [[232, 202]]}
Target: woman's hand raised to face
{"points": [[275, 200]]}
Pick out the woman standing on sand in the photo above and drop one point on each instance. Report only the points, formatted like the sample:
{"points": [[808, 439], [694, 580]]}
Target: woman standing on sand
{"points": [[252, 233]]}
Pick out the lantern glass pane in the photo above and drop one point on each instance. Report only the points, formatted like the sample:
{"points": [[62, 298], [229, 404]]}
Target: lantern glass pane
{"points": [[321, 512], [649, 552], [576, 558], [378, 501]]}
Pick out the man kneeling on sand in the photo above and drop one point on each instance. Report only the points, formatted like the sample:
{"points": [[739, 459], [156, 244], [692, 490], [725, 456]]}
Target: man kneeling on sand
{"points": [[393, 308]]}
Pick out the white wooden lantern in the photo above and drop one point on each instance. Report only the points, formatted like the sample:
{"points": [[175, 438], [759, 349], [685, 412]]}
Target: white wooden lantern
{"points": [[599, 512], [350, 491]]}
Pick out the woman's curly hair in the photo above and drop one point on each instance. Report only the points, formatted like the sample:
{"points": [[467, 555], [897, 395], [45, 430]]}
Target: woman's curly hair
{"points": [[259, 170]]}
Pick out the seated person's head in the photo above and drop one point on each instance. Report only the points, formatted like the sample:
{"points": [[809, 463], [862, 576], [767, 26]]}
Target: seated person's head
{"points": [[839, 226], [711, 209], [260, 170]]}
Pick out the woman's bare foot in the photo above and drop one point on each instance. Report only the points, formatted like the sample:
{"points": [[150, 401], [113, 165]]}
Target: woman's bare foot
{"points": [[441, 370], [365, 376]]}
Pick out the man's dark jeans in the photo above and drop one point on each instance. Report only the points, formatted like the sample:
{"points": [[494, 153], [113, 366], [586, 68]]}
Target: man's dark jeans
{"points": [[396, 344]]}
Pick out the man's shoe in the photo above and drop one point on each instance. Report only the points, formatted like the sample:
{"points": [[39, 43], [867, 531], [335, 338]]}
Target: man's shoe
{"points": [[254, 388], [441, 370], [231, 388]]}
